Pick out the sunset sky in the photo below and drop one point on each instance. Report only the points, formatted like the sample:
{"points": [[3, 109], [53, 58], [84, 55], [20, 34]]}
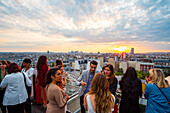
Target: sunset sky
{"points": [[85, 25]]}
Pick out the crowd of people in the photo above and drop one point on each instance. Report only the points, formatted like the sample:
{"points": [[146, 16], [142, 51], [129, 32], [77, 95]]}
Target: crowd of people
{"points": [[97, 89]]}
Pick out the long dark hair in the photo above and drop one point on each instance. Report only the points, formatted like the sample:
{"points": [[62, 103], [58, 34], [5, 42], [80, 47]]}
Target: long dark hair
{"points": [[112, 75], [41, 61], [130, 84], [52, 72]]}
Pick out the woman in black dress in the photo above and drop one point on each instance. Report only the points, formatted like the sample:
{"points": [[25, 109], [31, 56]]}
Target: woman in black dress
{"points": [[131, 88]]}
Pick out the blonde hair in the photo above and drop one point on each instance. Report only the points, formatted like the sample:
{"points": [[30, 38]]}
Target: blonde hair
{"points": [[158, 77], [104, 101]]}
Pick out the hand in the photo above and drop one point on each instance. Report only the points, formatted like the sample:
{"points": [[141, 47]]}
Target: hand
{"points": [[102, 72], [65, 74], [107, 77], [67, 97], [147, 79], [2, 67], [83, 84]]}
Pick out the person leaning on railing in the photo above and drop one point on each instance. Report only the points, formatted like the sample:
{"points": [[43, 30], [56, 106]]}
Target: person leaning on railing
{"points": [[158, 92], [56, 96]]}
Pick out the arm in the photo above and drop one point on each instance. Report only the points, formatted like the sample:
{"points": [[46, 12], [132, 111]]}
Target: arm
{"points": [[65, 80], [2, 67], [59, 97], [113, 87], [4, 83], [28, 81], [78, 82], [30, 74], [85, 103]]}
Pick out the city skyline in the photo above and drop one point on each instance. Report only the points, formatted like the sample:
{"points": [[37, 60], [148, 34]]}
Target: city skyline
{"points": [[107, 26]]}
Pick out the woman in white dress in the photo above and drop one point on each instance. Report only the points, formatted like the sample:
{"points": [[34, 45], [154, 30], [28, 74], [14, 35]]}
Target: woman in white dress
{"points": [[99, 99]]}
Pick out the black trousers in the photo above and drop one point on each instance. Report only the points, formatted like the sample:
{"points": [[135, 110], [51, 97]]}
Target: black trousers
{"points": [[19, 108], [3, 108], [81, 104], [28, 101]]}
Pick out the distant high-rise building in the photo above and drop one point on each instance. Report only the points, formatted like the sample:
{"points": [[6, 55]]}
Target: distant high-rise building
{"points": [[123, 56], [111, 61], [132, 51], [48, 51], [101, 61]]}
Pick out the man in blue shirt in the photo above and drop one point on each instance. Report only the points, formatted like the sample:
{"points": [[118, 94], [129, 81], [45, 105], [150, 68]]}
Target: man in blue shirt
{"points": [[84, 81]]}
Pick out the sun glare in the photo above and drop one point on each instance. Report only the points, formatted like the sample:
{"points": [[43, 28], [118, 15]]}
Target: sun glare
{"points": [[121, 49]]}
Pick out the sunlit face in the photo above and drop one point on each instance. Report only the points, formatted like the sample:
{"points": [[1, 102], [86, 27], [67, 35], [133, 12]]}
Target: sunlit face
{"points": [[62, 69], [107, 71], [93, 68], [57, 77]]}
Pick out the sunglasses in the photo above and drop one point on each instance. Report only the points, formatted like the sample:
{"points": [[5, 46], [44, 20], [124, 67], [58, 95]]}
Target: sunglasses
{"points": [[58, 73]]}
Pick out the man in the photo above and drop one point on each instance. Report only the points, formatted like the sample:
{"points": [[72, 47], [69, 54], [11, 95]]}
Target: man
{"points": [[29, 72], [84, 81]]}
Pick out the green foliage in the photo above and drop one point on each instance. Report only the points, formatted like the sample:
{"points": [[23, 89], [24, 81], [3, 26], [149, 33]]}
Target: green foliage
{"points": [[120, 70], [141, 75], [52, 64], [118, 73]]}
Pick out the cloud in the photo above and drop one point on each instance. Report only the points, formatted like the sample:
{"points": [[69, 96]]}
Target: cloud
{"points": [[88, 21]]}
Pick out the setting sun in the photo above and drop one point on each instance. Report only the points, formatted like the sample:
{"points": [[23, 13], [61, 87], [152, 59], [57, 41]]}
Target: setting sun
{"points": [[120, 49]]}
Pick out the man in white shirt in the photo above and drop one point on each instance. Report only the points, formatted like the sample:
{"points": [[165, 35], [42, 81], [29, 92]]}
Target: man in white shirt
{"points": [[29, 72]]}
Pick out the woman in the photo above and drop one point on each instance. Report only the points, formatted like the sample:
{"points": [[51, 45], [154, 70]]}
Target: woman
{"points": [[56, 96], [99, 99], [157, 101], [110, 75], [63, 77], [42, 68], [131, 88], [15, 94], [3, 70]]}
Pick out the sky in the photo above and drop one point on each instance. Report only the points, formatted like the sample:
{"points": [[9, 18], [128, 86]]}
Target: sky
{"points": [[85, 25]]}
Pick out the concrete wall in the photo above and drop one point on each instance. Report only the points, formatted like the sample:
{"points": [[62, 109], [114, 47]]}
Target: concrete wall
{"points": [[123, 65], [111, 61]]}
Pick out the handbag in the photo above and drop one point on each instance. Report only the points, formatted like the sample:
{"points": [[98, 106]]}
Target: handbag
{"points": [[163, 94]]}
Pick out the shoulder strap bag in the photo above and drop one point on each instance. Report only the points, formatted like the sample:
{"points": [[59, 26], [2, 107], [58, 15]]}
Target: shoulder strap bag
{"points": [[26, 86], [163, 94]]}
